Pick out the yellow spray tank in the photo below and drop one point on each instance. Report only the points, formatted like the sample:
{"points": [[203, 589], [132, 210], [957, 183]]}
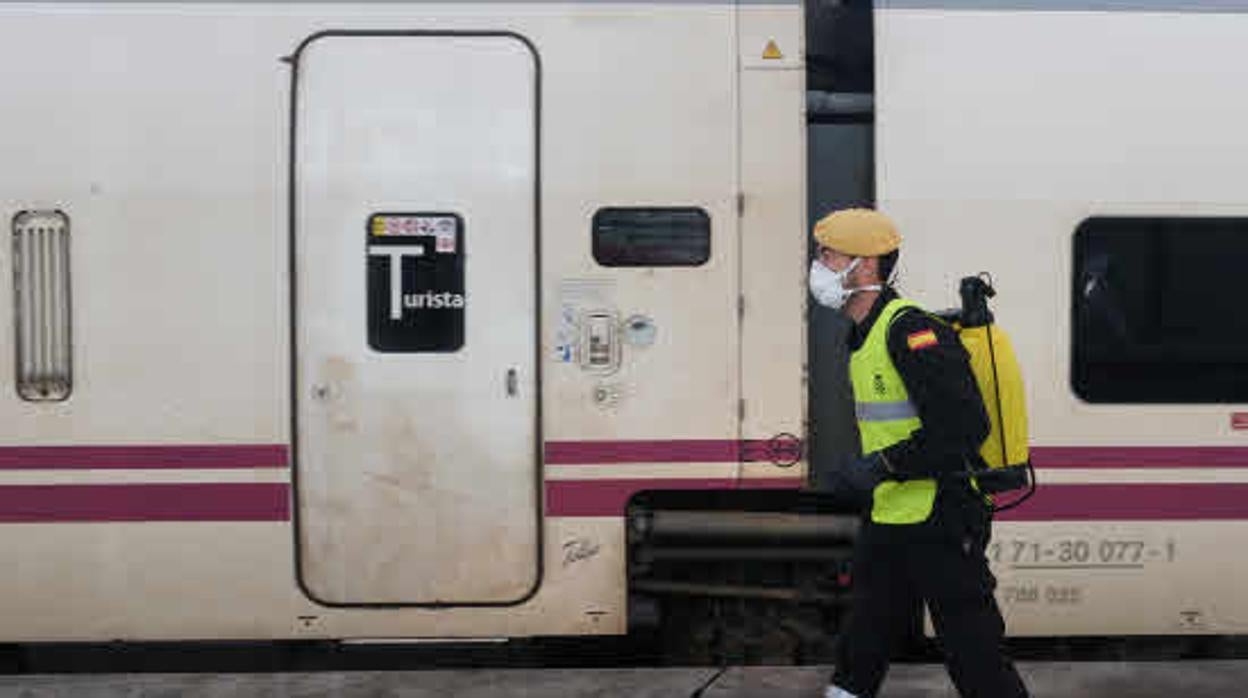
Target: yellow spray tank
{"points": [[1000, 380]]}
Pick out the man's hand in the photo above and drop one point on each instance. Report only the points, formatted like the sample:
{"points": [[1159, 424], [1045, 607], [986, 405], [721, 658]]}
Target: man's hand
{"points": [[865, 472]]}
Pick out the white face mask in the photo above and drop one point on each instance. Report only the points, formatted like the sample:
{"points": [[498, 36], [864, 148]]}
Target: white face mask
{"points": [[828, 287]]}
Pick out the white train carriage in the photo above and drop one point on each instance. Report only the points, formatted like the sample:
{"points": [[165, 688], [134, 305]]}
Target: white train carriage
{"points": [[1090, 155], [365, 320], [339, 320]]}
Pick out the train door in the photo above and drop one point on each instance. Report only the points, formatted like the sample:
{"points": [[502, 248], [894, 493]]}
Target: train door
{"points": [[415, 229]]}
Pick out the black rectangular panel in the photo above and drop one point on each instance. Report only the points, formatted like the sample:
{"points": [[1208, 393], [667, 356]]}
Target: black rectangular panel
{"points": [[424, 312], [651, 237]]}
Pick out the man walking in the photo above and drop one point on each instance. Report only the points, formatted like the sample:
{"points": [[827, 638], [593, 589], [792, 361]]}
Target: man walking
{"points": [[921, 420]]}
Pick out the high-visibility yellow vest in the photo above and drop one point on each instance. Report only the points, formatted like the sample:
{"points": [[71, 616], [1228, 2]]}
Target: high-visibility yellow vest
{"points": [[885, 417]]}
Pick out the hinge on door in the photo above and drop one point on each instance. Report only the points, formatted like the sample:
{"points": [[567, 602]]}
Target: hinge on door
{"points": [[740, 203], [741, 409], [741, 306]]}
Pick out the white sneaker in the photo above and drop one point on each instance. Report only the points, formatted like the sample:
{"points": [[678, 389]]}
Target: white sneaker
{"points": [[836, 692]]}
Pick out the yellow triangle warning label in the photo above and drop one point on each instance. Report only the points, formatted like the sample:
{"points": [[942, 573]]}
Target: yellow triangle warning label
{"points": [[772, 52]]}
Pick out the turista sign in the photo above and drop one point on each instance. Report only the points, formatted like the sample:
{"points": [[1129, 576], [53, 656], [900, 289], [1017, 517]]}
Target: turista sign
{"points": [[433, 301], [416, 299]]}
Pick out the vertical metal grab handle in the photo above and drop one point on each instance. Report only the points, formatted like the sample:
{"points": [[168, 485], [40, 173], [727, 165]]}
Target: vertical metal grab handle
{"points": [[511, 382]]}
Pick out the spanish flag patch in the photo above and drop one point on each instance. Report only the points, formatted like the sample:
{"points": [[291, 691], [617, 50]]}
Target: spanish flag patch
{"points": [[921, 340]]}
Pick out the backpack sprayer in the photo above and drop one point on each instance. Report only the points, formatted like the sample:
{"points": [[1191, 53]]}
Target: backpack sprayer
{"points": [[996, 370]]}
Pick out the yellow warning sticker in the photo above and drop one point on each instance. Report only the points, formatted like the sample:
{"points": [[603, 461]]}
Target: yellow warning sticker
{"points": [[772, 52]]}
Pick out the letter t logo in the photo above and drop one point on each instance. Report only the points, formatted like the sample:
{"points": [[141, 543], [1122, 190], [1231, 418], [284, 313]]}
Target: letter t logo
{"points": [[396, 253]]}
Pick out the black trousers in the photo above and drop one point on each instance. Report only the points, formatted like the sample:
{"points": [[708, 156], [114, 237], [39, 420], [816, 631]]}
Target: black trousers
{"points": [[941, 563]]}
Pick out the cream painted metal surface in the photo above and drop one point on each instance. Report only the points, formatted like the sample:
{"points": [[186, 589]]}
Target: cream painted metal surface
{"points": [[773, 235], [416, 472], [171, 581]]}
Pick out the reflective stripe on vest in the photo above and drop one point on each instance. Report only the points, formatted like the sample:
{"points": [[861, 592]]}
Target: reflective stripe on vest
{"points": [[885, 411], [885, 417]]}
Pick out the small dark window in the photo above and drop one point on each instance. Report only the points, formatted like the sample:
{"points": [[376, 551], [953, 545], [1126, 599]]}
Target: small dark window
{"points": [[652, 237], [415, 269], [1157, 312]]}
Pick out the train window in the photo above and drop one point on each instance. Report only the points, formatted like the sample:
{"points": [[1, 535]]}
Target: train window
{"points": [[1155, 316], [651, 237], [415, 269], [41, 305]]}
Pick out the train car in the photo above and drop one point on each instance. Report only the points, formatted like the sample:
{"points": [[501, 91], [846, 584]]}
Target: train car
{"points": [[1088, 154], [357, 321], [471, 320]]}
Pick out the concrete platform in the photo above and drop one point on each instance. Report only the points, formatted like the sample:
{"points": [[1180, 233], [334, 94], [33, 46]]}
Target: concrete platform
{"points": [[1060, 680]]}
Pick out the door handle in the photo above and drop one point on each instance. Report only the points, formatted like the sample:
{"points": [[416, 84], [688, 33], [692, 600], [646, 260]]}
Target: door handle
{"points": [[512, 382]]}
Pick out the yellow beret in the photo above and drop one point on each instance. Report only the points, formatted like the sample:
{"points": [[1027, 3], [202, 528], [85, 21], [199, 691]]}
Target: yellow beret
{"points": [[858, 232]]}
